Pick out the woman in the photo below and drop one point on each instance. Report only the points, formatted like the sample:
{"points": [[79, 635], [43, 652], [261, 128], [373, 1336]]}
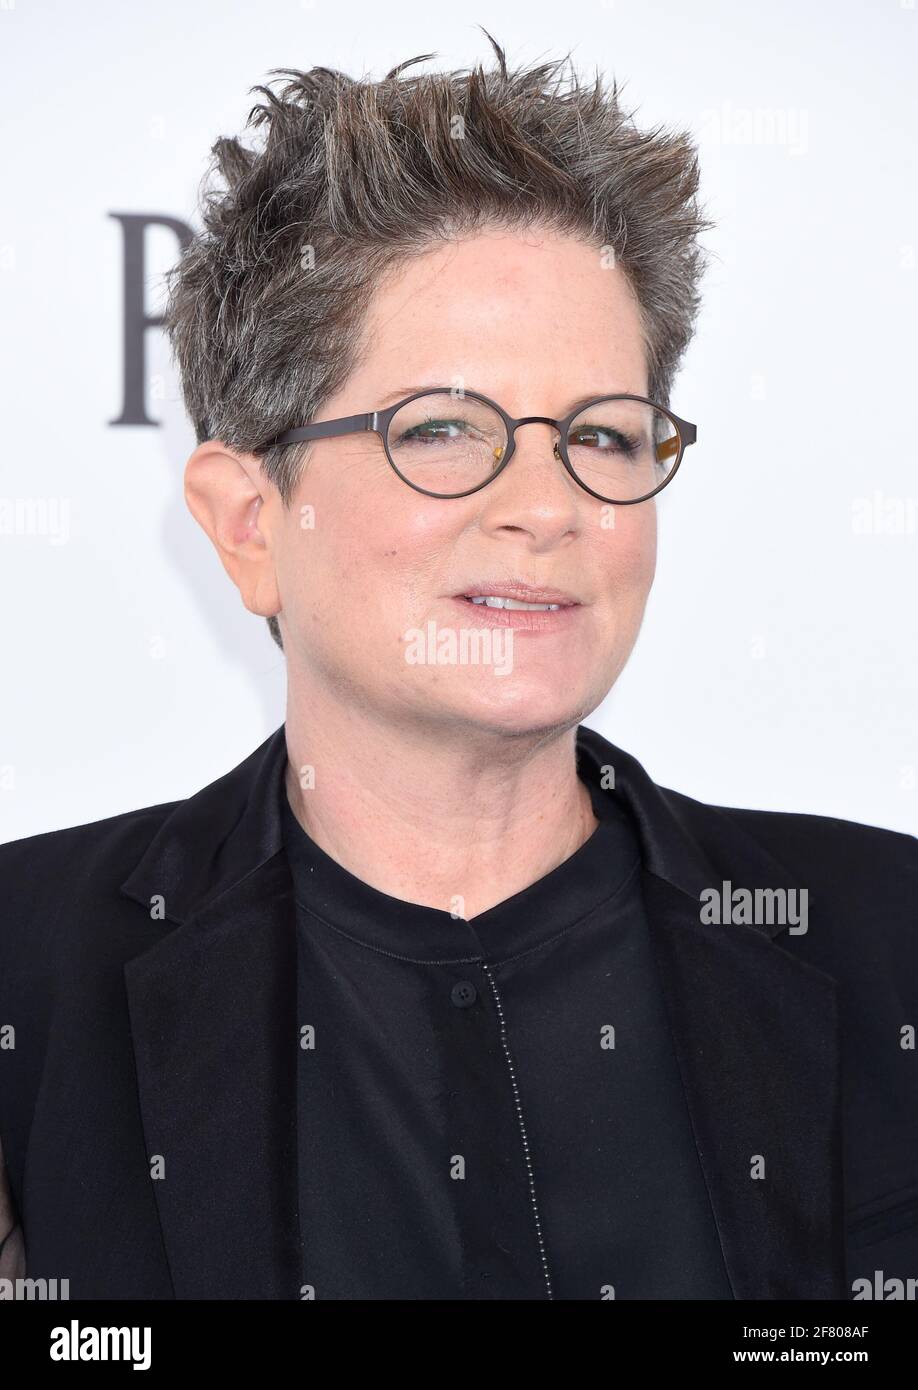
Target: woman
{"points": [[438, 991]]}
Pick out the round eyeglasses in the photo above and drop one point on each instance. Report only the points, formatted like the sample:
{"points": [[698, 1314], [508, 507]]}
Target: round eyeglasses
{"points": [[447, 443]]}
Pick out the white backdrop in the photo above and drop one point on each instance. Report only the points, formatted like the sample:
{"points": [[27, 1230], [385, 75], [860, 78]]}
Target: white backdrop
{"points": [[778, 666]]}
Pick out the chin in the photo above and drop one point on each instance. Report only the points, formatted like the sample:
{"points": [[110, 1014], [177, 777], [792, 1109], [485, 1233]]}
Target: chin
{"points": [[517, 706]]}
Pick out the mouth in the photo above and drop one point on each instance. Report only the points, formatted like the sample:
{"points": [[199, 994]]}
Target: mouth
{"points": [[522, 598], [523, 607]]}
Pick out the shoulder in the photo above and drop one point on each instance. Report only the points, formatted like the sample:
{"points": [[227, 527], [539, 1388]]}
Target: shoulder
{"points": [[95, 840], [44, 875], [811, 846], [861, 883]]}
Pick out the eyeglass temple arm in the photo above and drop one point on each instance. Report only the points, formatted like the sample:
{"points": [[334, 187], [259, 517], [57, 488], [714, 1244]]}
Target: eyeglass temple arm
{"points": [[351, 424], [687, 435], [324, 429]]}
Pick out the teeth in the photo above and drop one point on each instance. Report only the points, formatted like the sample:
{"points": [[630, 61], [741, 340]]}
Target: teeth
{"points": [[491, 602]]}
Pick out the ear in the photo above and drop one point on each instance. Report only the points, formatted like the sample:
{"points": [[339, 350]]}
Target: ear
{"points": [[231, 499]]}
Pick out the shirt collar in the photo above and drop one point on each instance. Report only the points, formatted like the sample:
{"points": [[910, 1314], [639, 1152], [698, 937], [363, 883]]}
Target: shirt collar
{"points": [[599, 871], [214, 839]]}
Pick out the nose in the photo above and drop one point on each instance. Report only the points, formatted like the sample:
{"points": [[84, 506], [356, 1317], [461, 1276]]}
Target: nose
{"points": [[534, 493], [501, 450]]}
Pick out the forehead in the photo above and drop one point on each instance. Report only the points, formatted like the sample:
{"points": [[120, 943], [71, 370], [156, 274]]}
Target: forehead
{"points": [[531, 304]]}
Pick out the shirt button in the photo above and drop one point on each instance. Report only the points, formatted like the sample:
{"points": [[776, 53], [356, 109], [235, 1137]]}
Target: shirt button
{"points": [[463, 994]]}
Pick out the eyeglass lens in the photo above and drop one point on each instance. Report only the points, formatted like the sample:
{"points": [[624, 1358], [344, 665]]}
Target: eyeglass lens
{"points": [[448, 444]]}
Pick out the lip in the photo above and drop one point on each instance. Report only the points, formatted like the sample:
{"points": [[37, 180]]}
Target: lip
{"points": [[520, 619], [525, 593]]}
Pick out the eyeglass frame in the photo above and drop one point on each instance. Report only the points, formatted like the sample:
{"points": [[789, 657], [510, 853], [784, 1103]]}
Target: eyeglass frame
{"points": [[379, 421]]}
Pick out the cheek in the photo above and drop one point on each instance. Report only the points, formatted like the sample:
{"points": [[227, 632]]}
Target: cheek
{"points": [[629, 551], [408, 550], [367, 553]]}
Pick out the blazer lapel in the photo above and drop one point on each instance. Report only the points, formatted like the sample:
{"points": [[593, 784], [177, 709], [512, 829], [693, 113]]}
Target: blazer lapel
{"points": [[755, 1033], [755, 1037], [213, 1021]]}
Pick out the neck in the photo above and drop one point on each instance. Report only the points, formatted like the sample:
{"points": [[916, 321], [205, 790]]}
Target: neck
{"points": [[449, 817]]}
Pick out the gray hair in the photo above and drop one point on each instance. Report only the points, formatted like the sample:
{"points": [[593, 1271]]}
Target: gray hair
{"points": [[266, 306]]}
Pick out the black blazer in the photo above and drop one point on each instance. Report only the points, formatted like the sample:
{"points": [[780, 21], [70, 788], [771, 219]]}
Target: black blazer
{"points": [[147, 968]]}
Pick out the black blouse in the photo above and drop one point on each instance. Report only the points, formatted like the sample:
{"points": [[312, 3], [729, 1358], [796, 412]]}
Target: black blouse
{"points": [[492, 1109]]}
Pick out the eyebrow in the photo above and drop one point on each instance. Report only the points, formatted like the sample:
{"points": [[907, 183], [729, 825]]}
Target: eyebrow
{"points": [[401, 392]]}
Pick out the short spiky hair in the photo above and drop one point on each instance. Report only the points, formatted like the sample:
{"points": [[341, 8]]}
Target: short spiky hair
{"points": [[266, 305]]}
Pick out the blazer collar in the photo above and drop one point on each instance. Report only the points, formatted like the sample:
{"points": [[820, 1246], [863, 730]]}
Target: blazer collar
{"points": [[224, 832], [214, 839], [213, 1020]]}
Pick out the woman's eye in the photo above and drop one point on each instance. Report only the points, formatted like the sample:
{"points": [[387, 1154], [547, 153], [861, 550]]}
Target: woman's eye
{"points": [[596, 437], [437, 429]]}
